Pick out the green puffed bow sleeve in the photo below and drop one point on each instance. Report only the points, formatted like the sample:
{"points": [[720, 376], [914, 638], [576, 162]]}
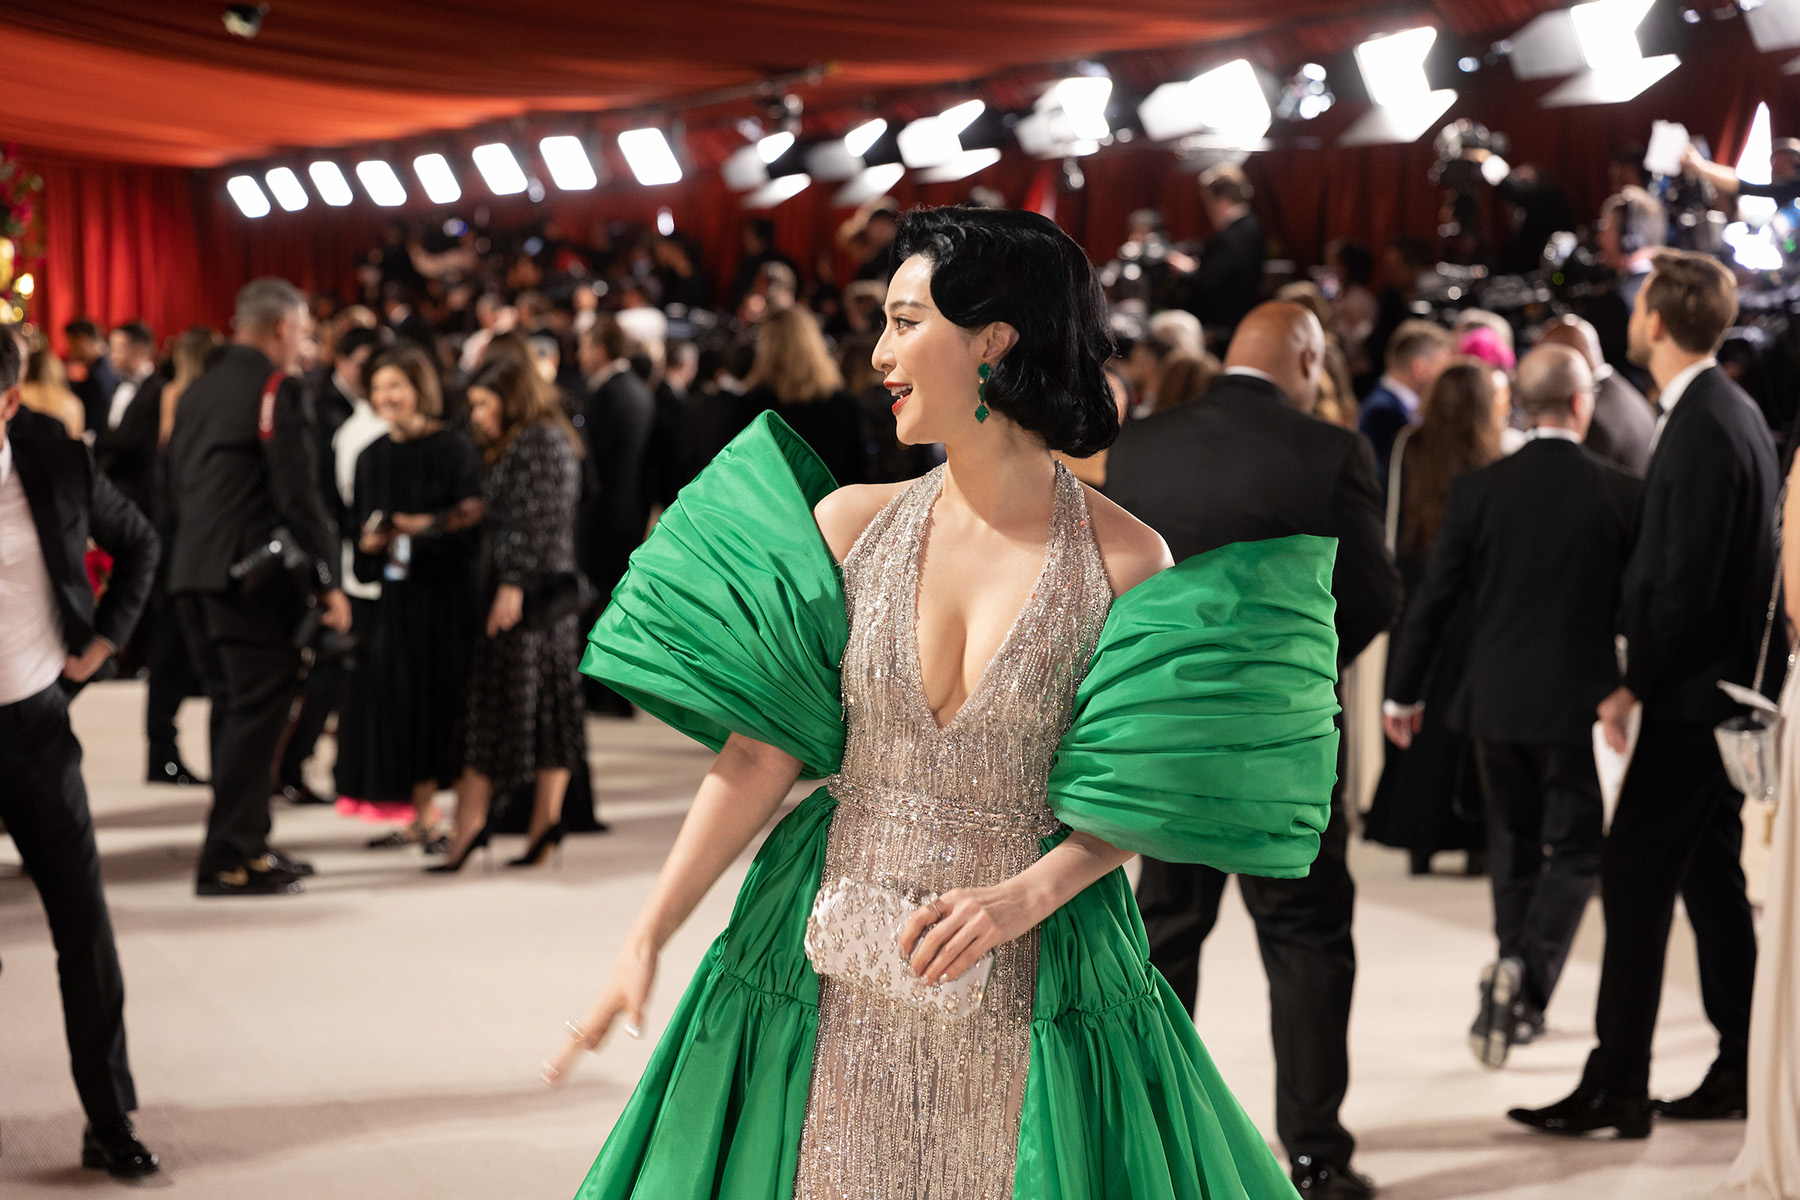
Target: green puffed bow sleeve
{"points": [[1203, 732], [731, 618]]}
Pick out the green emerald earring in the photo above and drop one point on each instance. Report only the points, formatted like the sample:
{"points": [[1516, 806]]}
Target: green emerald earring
{"points": [[981, 408]]}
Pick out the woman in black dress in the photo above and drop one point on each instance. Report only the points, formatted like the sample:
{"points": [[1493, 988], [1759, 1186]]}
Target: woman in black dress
{"points": [[418, 507], [524, 699], [1429, 797], [793, 373]]}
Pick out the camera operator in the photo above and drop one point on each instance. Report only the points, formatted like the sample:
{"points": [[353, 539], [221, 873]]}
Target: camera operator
{"points": [[1784, 173], [244, 486]]}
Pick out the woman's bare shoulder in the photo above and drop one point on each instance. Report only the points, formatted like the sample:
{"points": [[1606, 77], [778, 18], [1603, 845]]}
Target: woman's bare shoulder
{"points": [[1131, 550], [845, 513]]}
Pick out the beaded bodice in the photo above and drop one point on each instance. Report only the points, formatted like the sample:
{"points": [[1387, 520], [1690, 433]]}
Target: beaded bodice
{"points": [[902, 1103], [990, 760]]}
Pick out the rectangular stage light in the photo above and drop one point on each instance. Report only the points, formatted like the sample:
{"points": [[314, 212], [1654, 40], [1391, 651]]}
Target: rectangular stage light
{"points": [[1083, 99], [249, 197], [961, 167], [647, 151], [289, 192], [499, 168], [1228, 100], [858, 140], [440, 183], [958, 117], [570, 168], [378, 179], [334, 189], [928, 142], [777, 191]]}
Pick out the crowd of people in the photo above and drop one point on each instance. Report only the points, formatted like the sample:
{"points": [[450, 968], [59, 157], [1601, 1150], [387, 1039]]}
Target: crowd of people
{"points": [[467, 456]]}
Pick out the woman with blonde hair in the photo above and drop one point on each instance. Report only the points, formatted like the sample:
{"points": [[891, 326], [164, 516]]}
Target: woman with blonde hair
{"points": [[794, 376], [45, 390], [190, 354]]}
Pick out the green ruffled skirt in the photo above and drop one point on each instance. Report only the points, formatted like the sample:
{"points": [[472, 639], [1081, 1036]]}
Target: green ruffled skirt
{"points": [[1121, 1098]]}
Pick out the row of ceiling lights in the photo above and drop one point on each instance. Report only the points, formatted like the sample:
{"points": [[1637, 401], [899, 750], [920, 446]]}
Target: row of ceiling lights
{"points": [[1226, 107]]}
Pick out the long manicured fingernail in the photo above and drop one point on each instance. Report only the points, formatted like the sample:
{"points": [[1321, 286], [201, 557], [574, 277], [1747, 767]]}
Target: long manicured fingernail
{"points": [[632, 1029]]}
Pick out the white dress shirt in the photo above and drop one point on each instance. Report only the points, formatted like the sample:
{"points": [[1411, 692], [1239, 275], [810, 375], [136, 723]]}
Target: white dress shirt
{"points": [[1409, 399], [1553, 431], [1671, 395], [124, 394], [31, 645]]}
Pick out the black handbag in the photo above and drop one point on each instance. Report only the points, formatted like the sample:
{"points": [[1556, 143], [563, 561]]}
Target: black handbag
{"points": [[555, 596]]}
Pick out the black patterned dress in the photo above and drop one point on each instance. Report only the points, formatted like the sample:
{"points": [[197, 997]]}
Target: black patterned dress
{"points": [[525, 712]]}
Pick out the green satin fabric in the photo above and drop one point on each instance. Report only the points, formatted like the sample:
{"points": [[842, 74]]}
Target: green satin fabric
{"points": [[1203, 732], [732, 620]]}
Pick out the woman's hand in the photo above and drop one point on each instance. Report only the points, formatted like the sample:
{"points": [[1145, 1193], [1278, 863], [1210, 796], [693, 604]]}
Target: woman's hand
{"points": [[373, 542], [942, 941], [509, 606], [624, 996], [411, 524]]}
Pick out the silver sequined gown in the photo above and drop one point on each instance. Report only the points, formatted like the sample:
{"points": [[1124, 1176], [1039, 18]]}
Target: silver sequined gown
{"points": [[905, 1104]]}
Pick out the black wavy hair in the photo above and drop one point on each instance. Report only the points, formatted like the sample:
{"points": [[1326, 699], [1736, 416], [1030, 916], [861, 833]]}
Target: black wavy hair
{"points": [[1018, 267]]}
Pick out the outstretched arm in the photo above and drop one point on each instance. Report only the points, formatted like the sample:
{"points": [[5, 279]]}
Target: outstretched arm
{"points": [[747, 783]]}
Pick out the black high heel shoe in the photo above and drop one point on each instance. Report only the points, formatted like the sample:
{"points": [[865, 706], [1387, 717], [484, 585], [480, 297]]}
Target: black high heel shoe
{"points": [[550, 839], [451, 866]]}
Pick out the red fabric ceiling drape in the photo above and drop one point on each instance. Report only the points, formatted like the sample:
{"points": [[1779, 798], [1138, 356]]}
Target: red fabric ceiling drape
{"points": [[166, 244]]}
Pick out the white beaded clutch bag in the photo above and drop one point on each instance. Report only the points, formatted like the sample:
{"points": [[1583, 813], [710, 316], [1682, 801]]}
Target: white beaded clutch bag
{"points": [[854, 935]]}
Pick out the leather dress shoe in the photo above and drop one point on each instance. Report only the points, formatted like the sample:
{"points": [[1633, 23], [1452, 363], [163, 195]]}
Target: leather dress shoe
{"points": [[299, 793], [1316, 1180], [113, 1147], [293, 866], [168, 768], [260, 877], [1720, 1097], [1588, 1110], [1529, 1024]]}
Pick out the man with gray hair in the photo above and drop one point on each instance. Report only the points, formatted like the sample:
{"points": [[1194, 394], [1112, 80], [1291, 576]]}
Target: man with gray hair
{"points": [[1536, 544], [244, 491]]}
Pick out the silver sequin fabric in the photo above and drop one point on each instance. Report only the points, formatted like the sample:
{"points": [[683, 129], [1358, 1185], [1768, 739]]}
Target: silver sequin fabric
{"points": [[906, 1103]]}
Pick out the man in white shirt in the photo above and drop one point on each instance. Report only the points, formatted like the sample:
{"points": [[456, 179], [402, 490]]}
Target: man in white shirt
{"points": [[53, 638]]}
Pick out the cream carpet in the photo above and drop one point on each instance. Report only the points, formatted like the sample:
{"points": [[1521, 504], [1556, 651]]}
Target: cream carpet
{"points": [[379, 1036]]}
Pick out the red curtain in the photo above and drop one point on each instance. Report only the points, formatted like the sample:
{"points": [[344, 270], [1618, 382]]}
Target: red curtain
{"points": [[121, 242]]}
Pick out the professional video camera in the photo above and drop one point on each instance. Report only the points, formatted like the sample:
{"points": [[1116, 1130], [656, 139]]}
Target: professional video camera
{"points": [[1464, 151], [281, 554]]}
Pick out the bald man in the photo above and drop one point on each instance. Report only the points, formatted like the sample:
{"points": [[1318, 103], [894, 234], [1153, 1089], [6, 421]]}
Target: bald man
{"points": [[1536, 543], [1624, 420], [1243, 462]]}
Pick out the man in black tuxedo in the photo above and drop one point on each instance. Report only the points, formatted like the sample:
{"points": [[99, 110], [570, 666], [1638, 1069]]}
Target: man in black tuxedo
{"points": [[1243, 462], [616, 420], [1624, 421], [52, 639], [125, 444], [241, 466], [1539, 541], [91, 376], [1228, 280], [1695, 594]]}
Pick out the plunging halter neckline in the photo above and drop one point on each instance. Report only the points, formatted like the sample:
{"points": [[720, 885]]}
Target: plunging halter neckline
{"points": [[1053, 547]]}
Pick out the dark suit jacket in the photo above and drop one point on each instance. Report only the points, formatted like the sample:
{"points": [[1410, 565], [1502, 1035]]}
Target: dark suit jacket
{"points": [[1228, 282], [1697, 585], [1382, 417], [128, 454], [1623, 425], [96, 392], [617, 419], [71, 501], [234, 476], [1537, 543], [1242, 464], [331, 408]]}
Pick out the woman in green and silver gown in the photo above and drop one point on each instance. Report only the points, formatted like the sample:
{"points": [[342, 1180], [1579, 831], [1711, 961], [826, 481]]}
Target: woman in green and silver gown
{"points": [[1006, 764]]}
